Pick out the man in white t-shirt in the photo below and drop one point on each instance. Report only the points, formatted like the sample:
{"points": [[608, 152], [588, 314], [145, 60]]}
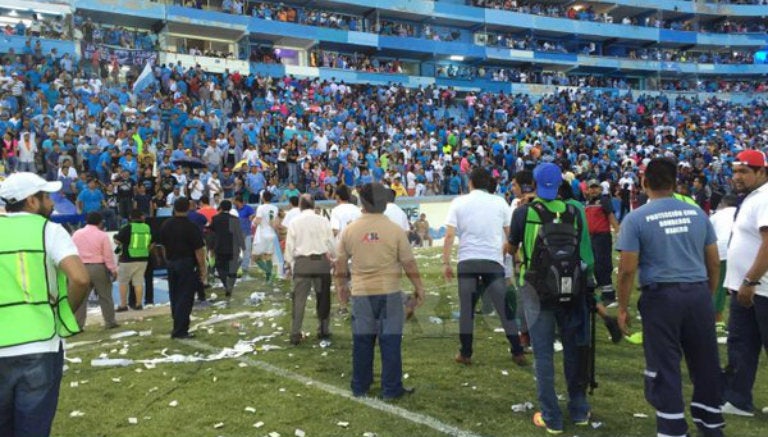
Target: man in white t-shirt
{"points": [[747, 282], [481, 221], [265, 237], [344, 212], [292, 213], [31, 347], [722, 221], [396, 214]]}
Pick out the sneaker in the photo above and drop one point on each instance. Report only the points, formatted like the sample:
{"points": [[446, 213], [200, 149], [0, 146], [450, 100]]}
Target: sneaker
{"points": [[585, 421], [121, 309], [539, 422], [729, 408], [612, 304], [636, 338], [613, 328], [461, 359]]}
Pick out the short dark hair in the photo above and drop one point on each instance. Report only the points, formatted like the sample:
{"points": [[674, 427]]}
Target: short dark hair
{"points": [[181, 205], [239, 198], [343, 192], [564, 191], [266, 196], [523, 177], [294, 201], [305, 202], [137, 214], [661, 174], [21, 204], [94, 218], [225, 205], [481, 179], [205, 199], [730, 200], [702, 179], [374, 197]]}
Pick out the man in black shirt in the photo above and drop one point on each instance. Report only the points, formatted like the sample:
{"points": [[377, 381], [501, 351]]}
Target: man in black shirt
{"points": [[183, 243], [228, 241], [148, 181], [125, 192]]}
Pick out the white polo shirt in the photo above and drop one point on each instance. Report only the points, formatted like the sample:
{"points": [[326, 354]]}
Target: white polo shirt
{"points": [[480, 219], [746, 240], [58, 245], [722, 221]]}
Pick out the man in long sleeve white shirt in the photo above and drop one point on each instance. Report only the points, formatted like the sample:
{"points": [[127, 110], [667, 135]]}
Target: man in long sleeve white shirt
{"points": [[309, 247]]}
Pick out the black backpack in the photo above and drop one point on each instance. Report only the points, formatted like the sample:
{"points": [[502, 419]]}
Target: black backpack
{"points": [[555, 269]]}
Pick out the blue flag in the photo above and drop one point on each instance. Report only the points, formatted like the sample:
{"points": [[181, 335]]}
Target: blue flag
{"points": [[145, 79]]}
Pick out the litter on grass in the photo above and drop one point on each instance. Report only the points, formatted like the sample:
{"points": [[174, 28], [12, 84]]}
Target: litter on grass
{"points": [[133, 420], [640, 415], [522, 408], [123, 334], [76, 413]]}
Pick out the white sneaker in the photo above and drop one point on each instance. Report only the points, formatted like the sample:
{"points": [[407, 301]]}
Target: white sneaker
{"points": [[613, 304], [728, 408]]}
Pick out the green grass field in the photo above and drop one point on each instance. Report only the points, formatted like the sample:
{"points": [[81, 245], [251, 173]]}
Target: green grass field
{"points": [[291, 390]]}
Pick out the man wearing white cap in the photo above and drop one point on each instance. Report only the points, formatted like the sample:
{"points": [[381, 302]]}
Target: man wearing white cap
{"points": [[43, 280]]}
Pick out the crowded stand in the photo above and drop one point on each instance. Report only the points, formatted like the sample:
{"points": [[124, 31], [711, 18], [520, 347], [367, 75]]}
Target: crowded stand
{"points": [[207, 135]]}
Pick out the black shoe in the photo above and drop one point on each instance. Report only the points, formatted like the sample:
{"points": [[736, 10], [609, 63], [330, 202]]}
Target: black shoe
{"points": [[406, 391], [121, 309], [296, 339], [613, 328], [111, 326], [186, 336], [138, 308]]}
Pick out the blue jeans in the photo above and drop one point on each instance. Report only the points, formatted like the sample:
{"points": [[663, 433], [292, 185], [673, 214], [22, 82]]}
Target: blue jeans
{"points": [[747, 335], [379, 316], [29, 393], [573, 324], [245, 262]]}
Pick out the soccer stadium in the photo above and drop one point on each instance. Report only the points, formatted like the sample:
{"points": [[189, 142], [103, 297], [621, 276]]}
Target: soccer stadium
{"points": [[202, 168]]}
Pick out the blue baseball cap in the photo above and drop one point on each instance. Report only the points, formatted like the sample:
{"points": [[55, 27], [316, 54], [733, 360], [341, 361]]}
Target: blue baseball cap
{"points": [[548, 178]]}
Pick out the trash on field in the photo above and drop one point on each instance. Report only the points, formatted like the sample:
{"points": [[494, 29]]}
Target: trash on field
{"points": [[765, 410], [74, 360], [173, 403], [558, 346], [561, 397], [342, 424], [406, 376], [76, 413], [111, 362], [250, 409], [74, 384], [218, 425], [258, 424], [596, 425], [722, 340], [522, 408], [116, 380], [133, 420], [369, 434], [274, 434], [146, 333], [299, 433], [640, 415], [435, 320], [504, 373], [123, 334]]}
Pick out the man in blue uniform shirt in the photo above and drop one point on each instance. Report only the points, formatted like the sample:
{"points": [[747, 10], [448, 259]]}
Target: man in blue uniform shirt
{"points": [[674, 247]]}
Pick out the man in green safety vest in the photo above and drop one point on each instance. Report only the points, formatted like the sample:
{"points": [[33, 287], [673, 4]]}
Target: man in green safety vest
{"points": [[134, 240], [41, 281]]}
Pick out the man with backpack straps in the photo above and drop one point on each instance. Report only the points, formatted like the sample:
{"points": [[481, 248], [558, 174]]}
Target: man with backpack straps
{"points": [[554, 240]]}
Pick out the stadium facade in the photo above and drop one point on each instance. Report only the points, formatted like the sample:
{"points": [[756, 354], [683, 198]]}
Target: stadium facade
{"points": [[484, 45]]}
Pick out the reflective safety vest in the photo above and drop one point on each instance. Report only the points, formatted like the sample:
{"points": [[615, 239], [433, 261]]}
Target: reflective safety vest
{"points": [[32, 308], [687, 199], [141, 236]]}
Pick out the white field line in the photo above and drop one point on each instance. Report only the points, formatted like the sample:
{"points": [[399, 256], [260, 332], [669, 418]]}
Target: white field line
{"points": [[373, 403]]}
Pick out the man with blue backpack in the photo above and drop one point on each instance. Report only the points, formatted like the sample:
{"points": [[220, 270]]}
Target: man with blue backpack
{"points": [[555, 277]]}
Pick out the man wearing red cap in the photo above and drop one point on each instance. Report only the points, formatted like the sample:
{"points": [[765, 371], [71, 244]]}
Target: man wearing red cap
{"points": [[747, 282]]}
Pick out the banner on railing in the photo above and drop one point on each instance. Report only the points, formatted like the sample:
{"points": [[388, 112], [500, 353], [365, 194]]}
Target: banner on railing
{"points": [[127, 57]]}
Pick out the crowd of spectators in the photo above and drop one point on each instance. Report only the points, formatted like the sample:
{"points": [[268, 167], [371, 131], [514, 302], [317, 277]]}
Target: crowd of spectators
{"points": [[589, 14], [355, 61], [112, 147]]}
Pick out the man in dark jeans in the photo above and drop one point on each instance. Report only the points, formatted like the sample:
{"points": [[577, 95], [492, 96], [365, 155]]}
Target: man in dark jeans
{"points": [[184, 250], [228, 242]]}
